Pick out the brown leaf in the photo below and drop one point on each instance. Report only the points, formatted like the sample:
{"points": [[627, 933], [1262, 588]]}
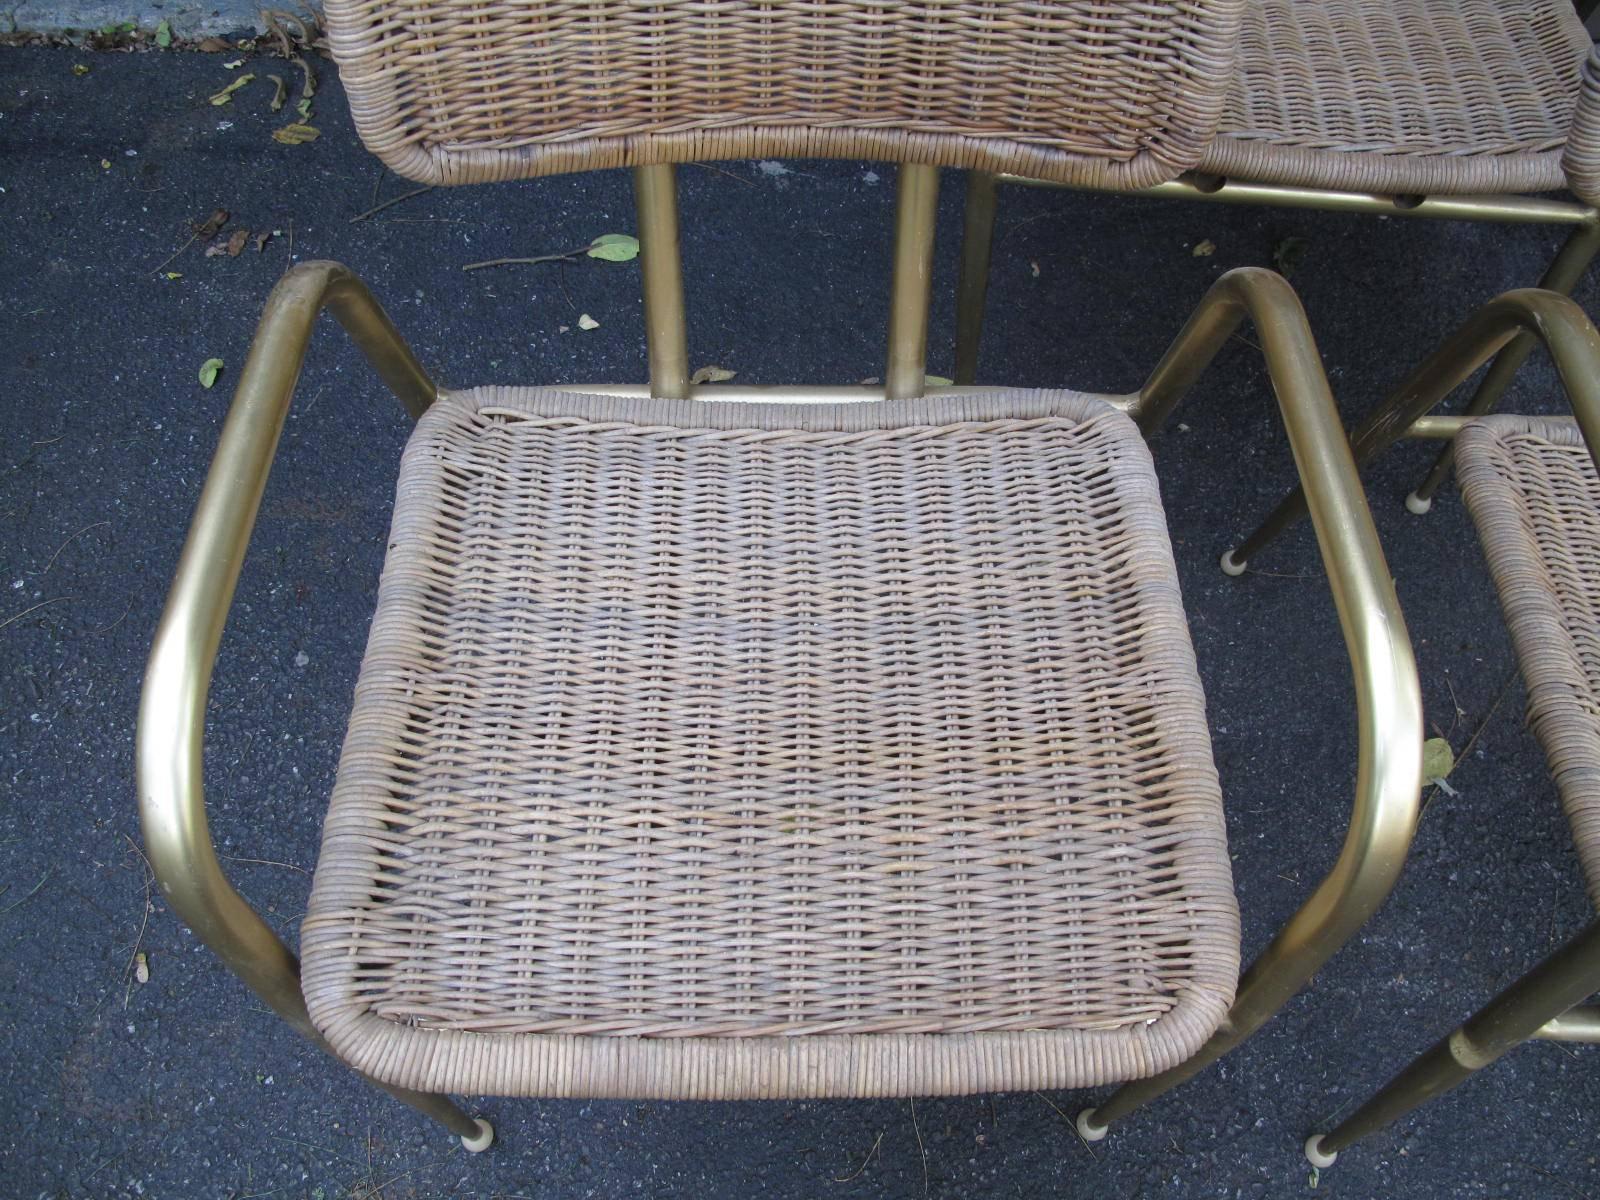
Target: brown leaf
{"points": [[261, 240], [237, 240], [215, 45], [205, 230], [712, 375]]}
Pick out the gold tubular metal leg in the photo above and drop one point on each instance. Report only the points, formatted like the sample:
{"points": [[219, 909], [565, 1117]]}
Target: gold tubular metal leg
{"points": [[1388, 698], [1563, 980], [916, 208], [1554, 319], [972, 285], [1576, 253], [655, 196], [173, 705]]}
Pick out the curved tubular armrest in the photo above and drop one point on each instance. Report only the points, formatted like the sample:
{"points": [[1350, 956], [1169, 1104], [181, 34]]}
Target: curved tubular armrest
{"points": [[1388, 697], [1555, 320], [177, 680]]}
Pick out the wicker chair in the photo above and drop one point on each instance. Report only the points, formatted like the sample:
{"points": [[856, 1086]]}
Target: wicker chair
{"points": [[1451, 109], [811, 742], [1532, 487]]}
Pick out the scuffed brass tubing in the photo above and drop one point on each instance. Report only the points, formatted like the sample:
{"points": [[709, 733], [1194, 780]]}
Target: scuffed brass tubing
{"points": [[1553, 319], [177, 680], [1388, 698], [1516, 210]]}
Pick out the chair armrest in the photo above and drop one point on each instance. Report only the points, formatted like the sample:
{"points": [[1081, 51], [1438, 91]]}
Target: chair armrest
{"points": [[1580, 158], [1388, 695], [177, 680]]}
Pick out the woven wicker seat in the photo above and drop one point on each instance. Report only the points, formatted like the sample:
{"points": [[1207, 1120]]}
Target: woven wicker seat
{"points": [[789, 750], [1403, 95], [1531, 486]]}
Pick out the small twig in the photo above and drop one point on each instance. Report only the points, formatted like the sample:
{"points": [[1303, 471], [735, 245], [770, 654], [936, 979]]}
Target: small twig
{"points": [[175, 253], [18, 903], [526, 262], [1505, 688], [264, 862], [390, 203], [34, 608], [1071, 1124], [856, 1174], [377, 184], [921, 1149], [67, 543], [744, 179], [114, 624], [144, 922]]}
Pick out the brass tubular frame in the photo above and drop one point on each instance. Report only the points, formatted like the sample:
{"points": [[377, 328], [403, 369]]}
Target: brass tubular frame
{"points": [[1561, 276], [1573, 259], [972, 285], [655, 197], [911, 290], [1581, 1024], [1543, 316], [1533, 1003], [172, 708], [1388, 696]]}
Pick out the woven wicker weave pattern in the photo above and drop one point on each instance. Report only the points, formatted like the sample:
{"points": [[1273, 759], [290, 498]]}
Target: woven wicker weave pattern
{"points": [[1114, 92], [1535, 498], [701, 723], [1403, 95], [1581, 157]]}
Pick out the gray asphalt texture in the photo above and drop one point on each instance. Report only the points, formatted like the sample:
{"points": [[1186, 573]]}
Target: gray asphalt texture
{"points": [[186, 1086]]}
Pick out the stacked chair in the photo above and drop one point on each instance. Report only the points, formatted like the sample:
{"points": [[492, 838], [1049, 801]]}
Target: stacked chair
{"points": [[1534, 494], [1448, 109]]}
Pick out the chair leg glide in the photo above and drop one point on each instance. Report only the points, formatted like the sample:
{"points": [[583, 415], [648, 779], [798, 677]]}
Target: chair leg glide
{"points": [[1317, 1156], [1087, 1127], [482, 1140]]}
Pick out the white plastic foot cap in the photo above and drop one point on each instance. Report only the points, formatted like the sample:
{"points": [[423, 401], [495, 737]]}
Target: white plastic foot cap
{"points": [[485, 1138], [1088, 1130], [1416, 504], [1230, 567], [1317, 1156]]}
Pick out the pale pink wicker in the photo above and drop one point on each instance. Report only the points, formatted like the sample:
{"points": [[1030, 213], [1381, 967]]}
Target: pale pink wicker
{"points": [[1116, 93], [1409, 96], [722, 750], [1531, 486]]}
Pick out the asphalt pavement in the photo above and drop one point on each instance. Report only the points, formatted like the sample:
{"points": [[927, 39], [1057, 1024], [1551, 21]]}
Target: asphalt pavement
{"points": [[185, 1086]]}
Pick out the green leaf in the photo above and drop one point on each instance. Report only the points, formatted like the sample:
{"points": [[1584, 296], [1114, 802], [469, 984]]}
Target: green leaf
{"points": [[712, 375], [164, 34], [614, 247], [1437, 759], [303, 107], [936, 381], [209, 370]]}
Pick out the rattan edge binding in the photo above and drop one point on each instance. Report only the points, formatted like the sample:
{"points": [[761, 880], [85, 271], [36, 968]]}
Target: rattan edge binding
{"points": [[1403, 174], [446, 168]]}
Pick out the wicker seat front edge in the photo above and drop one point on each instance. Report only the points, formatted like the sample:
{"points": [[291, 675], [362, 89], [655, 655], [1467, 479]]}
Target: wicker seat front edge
{"points": [[735, 750]]}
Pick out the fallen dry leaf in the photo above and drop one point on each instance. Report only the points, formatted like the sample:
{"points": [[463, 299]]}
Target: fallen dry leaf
{"points": [[296, 134], [225, 96], [141, 968], [1204, 249], [205, 230], [262, 238], [585, 321], [215, 45], [712, 375]]}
